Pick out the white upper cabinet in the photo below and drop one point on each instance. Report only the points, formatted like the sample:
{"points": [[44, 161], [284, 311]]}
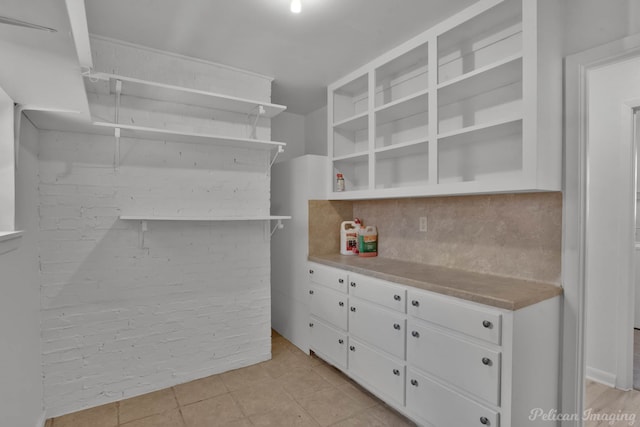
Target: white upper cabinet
{"points": [[472, 105]]}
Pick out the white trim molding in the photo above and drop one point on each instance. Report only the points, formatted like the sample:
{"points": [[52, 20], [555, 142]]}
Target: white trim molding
{"points": [[575, 214]]}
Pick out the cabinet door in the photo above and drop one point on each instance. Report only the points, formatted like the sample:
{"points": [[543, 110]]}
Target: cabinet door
{"points": [[464, 364], [327, 276], [328, 342], [383, 328], [443, 407], [451, 313], [381, 372], [378, 291], [329, 306]]}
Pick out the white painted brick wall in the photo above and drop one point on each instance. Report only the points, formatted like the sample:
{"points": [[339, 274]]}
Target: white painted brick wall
{"points": [[120, 319]]}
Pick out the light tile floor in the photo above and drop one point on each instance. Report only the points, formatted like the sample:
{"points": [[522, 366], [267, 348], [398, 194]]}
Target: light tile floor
{"points": [[292, 389]]}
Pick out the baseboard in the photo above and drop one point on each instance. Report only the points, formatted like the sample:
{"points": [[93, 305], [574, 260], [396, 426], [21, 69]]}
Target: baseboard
{"points": [[42, 419], [601, 377]]}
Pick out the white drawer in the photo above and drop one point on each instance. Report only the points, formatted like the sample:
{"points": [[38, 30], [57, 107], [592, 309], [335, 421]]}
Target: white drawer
{"points": [[328, 342], [378, 291], [468, 366], [381, 372], [328, 276], [328, 305], [383, 328], [443, 407], [454, 314]]}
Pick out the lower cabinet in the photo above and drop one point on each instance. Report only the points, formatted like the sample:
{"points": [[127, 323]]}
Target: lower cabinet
{"points": [[443, 407], [439, 360], [328, 342], [378, 370]]}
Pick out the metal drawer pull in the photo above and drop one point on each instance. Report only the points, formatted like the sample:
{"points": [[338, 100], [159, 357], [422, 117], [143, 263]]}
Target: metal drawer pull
{"points": [[352, 348], [311, 292], [396, 326], [415, 303], [415, 334], [486, 361], [487, 324], [353, 309], [340, 341], [397, 297], [414, 383], [341, 304], [310, 271], [484, 421], [396, 372], [340, 281], [353, 284], [311, 325]]}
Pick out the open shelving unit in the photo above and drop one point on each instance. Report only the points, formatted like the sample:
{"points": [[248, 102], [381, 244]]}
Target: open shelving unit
{"points": [[119, 86], [472, 105]]}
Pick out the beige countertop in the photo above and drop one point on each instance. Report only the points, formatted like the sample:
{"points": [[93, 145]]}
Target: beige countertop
{"points": [[496, 291]]}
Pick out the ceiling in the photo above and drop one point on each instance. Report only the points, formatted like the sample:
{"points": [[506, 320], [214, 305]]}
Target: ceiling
{"points": [[304, 52]]}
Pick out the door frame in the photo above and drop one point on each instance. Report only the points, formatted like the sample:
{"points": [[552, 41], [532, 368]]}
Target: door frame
{"points": [[575, 214]]}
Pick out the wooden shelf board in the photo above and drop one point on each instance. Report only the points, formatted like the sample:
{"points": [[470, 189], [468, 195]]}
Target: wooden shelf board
{"points": [[181, 95], [405, 107], [484, 79], [202, 218], [485, 130], [352, 157], [407, 148], [357, 122], [140, 132]]}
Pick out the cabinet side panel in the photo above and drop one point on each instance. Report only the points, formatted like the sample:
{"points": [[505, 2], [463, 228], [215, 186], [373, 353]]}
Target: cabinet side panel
{"points": [[536, 355]]}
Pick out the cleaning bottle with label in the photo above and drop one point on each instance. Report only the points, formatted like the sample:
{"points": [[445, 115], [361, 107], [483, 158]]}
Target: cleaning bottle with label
{"points": [[368, 241], [349, 237]]}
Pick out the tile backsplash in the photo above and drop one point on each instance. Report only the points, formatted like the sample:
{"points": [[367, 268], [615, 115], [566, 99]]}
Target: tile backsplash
{"points": [[515, 235]]}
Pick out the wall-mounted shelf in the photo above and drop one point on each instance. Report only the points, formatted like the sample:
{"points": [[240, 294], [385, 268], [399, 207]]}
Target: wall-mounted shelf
{"points": [[202, 218], [9, 240], [141, 132], [180, 95], [145, 218]]}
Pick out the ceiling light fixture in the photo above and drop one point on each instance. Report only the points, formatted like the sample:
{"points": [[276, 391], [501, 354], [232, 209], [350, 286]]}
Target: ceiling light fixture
{"points": [[296, 6]]}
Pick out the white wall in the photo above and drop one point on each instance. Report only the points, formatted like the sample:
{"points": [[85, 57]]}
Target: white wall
{"points": [[315, 132], [7, 170], [126, 312], [590, 23], [610, 206], [289, 128], [20, 354]]}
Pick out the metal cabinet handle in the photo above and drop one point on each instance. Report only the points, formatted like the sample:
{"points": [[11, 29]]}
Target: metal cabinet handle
{"points": [[311, 292], [484, 421], [340, 341], [311, 325], [353, 309], [415, 334], [415, 303], [414, 383], [396, 326], [340, 281], [486, 361], [352, 348], [397, 297], [353, 284], [396, 372], [487, 324], [310, 271], [341, 304]]}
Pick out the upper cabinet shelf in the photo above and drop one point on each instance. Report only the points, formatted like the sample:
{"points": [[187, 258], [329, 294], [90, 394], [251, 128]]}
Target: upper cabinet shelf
{"points": [[472, 105], [105, 83]]}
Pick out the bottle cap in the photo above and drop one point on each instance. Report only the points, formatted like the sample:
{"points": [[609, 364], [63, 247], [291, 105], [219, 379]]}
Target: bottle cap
{"points": [[339, 175]]}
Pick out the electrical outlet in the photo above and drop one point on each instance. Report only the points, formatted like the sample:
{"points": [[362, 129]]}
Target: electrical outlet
{"points": [[423, 223]]}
